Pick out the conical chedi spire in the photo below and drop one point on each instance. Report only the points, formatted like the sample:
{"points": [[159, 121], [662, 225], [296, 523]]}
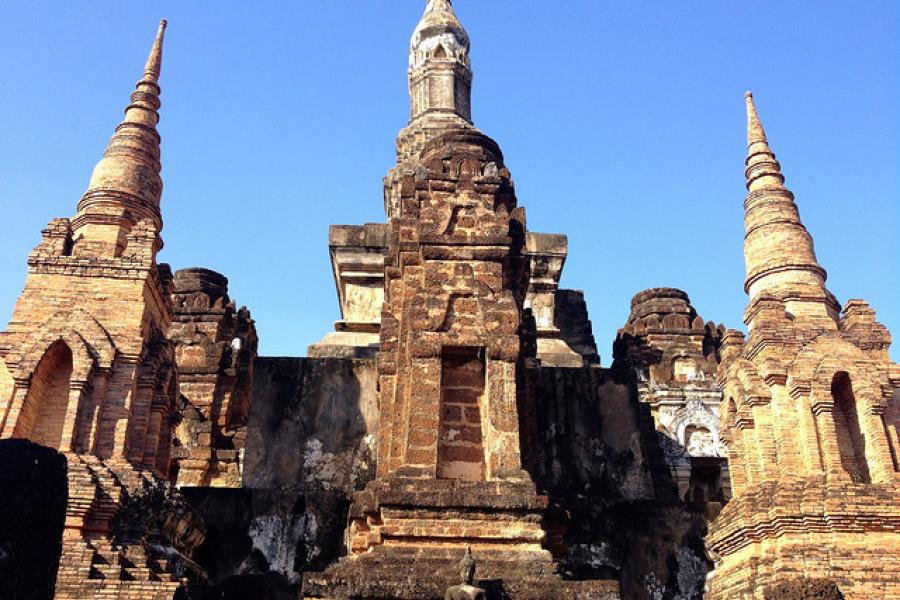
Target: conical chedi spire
{"points": [[778, 250], [126, 186], [154, 61]]}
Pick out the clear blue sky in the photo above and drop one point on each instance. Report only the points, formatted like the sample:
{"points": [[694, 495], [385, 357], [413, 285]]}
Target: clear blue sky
{"points": [[622, 123]]}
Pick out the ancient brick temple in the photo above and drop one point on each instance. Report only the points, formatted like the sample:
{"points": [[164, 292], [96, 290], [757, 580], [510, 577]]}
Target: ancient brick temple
{"points": [[88, 368], [458, 410], [810, 413], [454, 337]]}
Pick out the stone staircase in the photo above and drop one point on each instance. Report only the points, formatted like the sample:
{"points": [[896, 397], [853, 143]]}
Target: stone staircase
{"points": [[126, 563], [92, 564]]}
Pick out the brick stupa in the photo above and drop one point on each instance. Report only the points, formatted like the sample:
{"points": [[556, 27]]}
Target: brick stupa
{"points": [[87, 368], [453, 338], [809, 416]]}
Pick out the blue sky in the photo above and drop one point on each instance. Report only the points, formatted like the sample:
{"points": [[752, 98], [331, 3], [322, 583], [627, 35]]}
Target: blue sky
{"points": [[622, 123]]}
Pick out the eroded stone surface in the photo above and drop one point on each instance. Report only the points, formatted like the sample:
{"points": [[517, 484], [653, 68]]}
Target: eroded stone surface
{"points": [[675, 356], [215, 345]]}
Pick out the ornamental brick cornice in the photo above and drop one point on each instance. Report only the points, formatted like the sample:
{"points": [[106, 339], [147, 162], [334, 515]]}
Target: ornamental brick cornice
{"points": [[799, 388], [758, 514], [754, 400], [781, 266], [115, 268]]}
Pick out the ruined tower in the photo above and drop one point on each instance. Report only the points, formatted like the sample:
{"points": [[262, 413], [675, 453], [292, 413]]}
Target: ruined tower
{"points": [[85, 365], [454, 335], [675, 355], [810, 417], [440, 87], [215, 344]]}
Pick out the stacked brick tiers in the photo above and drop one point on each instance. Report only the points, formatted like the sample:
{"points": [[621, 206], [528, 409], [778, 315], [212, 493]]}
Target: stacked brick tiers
{"points": [[675, 356], [452, 344], [215, 344], [449, 469], [811, 418], [86, 367]]}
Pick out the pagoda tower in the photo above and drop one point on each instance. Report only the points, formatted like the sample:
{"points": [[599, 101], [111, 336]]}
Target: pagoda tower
{"points": [[453, 341], [85, 365], [811, 418], [91, 369]]}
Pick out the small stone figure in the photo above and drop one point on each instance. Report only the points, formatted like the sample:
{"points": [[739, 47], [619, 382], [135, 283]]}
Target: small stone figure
{"points": [[467, 567], [466, 590]]}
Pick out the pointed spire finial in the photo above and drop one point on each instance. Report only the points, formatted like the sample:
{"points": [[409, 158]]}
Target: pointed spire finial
{"points": [[755, 131], [435, 5], [154, 61], [126, 186], [763, 169], [778, 249]]}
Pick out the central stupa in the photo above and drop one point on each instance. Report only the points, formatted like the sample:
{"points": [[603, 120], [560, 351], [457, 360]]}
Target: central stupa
{"points": [[454, 338]]}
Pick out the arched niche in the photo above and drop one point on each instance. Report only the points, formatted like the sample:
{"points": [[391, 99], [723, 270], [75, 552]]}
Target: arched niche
{"points": [[43, 415], [850, 439]]}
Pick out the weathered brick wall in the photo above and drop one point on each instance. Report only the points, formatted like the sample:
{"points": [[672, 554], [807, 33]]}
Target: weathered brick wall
{"points": [[310, 445], [615, 508], [215, 344]]}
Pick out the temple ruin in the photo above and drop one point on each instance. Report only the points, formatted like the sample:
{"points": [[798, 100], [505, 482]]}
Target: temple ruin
{"points": [[456, 435]]}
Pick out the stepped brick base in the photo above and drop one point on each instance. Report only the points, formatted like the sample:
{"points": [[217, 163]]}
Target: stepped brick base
{"points": [[408, 535], [850, 535], [92, 564], [425, 573]]}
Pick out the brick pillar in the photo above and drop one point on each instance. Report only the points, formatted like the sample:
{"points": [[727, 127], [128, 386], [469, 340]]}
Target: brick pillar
{"points": [[20, 392], [152, 440], [94, 411], [423, 404], [120, 393], [77, 397], [139, 421]]}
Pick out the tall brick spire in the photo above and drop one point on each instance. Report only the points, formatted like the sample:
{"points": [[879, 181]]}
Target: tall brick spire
{"points": [[810, 419], [126, 186], [154, 61], [763, 171], [778, 250]]}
